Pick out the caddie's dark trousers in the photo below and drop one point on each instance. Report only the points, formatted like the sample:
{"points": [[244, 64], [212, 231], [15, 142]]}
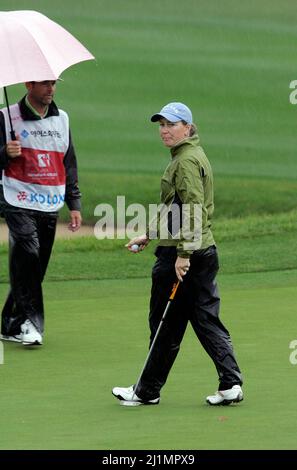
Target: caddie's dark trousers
{"points": [[197, 300], [31, 237]]}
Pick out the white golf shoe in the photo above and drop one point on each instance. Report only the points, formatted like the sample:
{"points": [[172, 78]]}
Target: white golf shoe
{"points": [[225, 397], [127, 395], [30, 335], [12, 338]]}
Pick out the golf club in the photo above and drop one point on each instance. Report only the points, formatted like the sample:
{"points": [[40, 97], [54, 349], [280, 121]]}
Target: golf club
{"points": [[172, 295]]}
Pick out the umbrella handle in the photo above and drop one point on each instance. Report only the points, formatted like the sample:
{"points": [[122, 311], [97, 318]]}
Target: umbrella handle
{"points": [[12, 133]]}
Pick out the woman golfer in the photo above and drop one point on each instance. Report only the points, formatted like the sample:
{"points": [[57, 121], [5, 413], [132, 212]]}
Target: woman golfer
{"points": [[186, 251]]}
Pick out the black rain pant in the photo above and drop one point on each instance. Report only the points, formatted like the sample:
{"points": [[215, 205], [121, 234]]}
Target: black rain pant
{"points": [[197, 300], [31, 237]]}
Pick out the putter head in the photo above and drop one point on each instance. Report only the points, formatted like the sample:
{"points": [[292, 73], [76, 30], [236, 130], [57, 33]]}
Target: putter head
{"points": [[129, 403]]}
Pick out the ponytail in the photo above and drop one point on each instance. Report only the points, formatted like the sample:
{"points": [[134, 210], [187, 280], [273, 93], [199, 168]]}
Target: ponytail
{"points": [[193, 130]]}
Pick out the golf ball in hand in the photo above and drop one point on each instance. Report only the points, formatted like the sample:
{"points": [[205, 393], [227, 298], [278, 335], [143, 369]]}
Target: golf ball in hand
{"points": [[135, 248]]}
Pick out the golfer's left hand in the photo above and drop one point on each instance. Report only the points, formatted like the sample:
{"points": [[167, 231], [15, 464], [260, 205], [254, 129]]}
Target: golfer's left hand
{"points": [[182, 266], [75, 221]]}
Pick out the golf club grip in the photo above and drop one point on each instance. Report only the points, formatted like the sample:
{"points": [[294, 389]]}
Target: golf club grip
{"points": [[174, 289]]}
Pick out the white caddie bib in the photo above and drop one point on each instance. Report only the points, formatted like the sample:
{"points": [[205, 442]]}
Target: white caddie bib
{"points": [[36, 179]]}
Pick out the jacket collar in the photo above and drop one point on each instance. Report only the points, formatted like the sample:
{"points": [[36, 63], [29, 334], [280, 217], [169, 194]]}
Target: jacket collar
{"points": [[28, 115], [189, 141]]}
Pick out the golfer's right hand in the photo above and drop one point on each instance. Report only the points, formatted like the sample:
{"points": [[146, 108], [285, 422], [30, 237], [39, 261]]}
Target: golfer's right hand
{"points": [[14, 148], [182, 266], [141, 241]]}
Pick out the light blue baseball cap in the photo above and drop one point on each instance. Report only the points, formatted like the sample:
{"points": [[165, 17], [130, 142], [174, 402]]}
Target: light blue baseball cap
{"points": [[174, 112]]}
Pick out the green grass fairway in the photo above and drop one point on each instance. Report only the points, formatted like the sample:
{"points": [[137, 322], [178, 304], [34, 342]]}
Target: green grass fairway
{"points": [[58, 396], [231, 61]]}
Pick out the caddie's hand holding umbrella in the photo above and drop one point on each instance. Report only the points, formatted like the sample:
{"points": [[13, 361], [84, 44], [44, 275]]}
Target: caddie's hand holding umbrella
{"points": [[13, 147], [35, 48]]}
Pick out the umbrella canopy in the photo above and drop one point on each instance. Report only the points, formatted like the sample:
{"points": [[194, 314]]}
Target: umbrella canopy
{"points": [[35, 48]]}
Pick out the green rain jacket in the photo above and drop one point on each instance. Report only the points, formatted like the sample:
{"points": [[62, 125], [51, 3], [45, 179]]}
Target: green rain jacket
{"points": [[187, 181]]}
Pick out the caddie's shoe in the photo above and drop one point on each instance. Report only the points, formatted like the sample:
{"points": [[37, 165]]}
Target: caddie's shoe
{"points": [[225, 397], [30, 335], [13, 338], [127, 395]]}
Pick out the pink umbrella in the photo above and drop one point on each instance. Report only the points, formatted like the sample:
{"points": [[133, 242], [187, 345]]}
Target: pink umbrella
{"points": [[35, 48]]}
